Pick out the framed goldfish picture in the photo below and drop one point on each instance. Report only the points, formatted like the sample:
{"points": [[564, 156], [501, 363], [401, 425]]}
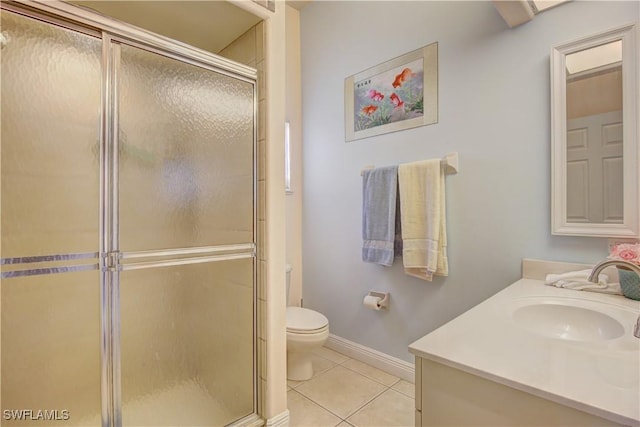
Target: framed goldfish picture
{"points": [[399, 94]]}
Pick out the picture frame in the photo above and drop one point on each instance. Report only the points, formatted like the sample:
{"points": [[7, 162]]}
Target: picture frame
{"points": [[399, 94]]}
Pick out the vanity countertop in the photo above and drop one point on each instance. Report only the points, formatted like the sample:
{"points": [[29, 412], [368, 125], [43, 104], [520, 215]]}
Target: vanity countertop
{"points": [[601, 377]]}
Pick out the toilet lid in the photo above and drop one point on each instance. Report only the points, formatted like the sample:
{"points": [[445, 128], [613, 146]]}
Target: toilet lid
{"points": [[303, 319]]}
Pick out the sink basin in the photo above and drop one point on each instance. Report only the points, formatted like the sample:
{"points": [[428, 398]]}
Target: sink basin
{"points": [[568, 320]]}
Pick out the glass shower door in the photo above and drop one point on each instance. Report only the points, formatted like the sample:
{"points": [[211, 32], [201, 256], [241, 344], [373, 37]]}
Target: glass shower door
{"points": [[186, 239], [127, 187], [50, 228]]}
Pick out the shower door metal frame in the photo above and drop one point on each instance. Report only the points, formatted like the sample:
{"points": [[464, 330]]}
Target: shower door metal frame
{"points": [[113, 33]]}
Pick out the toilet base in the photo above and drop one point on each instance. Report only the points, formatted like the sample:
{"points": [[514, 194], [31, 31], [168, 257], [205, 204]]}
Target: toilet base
{"points": [[299, 367], [300, 347]]}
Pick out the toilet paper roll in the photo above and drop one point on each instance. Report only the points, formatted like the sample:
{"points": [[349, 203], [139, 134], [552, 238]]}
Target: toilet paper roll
{"points": [[372, 302]]}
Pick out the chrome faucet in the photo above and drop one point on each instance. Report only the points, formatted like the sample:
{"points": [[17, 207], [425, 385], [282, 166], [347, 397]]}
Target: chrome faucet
{"points": [[593, 277]]}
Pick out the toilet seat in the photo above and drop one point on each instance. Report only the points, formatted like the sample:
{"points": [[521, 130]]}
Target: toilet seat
{"points": [[304, 321]]}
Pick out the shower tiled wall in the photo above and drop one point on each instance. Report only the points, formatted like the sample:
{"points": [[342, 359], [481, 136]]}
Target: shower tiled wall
{"points": [[249, 49]]}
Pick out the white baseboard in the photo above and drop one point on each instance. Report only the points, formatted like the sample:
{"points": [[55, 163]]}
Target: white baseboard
{"points": [[390, 364], [280, 420]]}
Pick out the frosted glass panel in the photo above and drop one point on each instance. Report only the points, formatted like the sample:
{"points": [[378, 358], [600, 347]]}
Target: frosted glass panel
{"points": [[187, 344], [51, 349], [50, 108], [186, 154]]}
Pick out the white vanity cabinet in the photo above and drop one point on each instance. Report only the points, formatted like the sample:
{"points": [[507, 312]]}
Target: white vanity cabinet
{"points": [[447, 396], [493, 366]]}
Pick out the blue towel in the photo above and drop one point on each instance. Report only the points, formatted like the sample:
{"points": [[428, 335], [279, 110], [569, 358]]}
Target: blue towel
{"points": [[379, 206]]}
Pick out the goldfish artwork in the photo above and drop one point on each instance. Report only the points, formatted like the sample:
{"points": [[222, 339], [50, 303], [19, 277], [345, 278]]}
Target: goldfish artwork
{"points": [[405, 75], [391, 96], [375, 95], [369, 109], [395, 99], [399, 94]]}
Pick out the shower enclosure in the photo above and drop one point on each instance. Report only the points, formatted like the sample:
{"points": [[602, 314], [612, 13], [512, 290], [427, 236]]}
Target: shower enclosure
{"points": [[128, 189]]}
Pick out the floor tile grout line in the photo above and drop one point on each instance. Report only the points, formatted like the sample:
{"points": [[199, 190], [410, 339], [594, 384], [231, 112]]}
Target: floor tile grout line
{"points": [[347, 358], [359, 407], [379, 382], [352, 412], [326, 409], [321, 407], [368, 402], [398, 379], [351, 369], [354, 371], [331, 360], [371, 401], [314, 376], [373, 379], [412, 396]]}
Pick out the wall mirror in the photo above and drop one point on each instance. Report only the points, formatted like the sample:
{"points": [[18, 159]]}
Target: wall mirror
{"points": [[594, 135]]}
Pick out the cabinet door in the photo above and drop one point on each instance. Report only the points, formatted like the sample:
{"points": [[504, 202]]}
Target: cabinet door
{"points": [[451, 397]]}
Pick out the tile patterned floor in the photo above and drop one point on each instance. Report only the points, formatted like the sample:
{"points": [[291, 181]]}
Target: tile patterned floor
{"points": [[345, 392]]}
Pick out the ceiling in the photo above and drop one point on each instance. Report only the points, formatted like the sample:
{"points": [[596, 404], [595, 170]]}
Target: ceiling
{"points": [[298, 4], [210, 25]]}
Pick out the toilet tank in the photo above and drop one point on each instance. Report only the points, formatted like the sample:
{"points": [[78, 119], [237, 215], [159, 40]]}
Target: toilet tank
{"points": [[288, 270]]}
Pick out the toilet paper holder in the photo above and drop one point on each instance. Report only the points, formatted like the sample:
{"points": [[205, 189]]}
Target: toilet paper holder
{"points": [[384, 298]]}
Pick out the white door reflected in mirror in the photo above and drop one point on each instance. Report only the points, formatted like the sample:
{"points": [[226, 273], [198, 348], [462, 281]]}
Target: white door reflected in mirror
{"points": [[595, 135]]}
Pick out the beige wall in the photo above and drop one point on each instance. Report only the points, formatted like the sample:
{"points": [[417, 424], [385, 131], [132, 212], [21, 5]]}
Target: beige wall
{"points": [[274, 383], [272, 368], [243, 50], [249, 49], [294, 117]]}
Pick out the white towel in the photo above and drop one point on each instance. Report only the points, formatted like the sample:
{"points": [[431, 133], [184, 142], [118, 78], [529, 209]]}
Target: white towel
{"points": [[422, 212], [578, 280]]}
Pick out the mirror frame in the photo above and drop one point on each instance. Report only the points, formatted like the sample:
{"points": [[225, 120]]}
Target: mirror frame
{"points": [[630, 227]]}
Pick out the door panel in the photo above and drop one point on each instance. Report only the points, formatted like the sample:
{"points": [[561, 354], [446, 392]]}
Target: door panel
{"points": [[186, 154], [51, 348], [594, 168], [51, 80], [187, 344], [50, 119], [186, 180]]}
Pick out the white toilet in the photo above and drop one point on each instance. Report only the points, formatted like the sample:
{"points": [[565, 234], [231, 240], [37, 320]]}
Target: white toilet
{"points": [[307, 330]]}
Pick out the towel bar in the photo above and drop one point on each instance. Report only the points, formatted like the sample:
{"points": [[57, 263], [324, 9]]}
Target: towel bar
{"points": [[449, 162]]}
